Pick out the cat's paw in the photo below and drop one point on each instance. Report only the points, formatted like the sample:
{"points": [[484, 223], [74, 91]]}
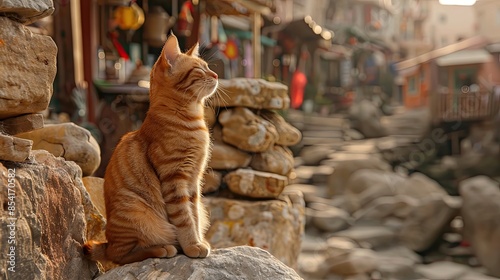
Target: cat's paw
{"points": [[199, 250], [171, 251]]}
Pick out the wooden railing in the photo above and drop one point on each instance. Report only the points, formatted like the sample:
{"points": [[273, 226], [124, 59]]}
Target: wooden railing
{"points": [[471, 106]]}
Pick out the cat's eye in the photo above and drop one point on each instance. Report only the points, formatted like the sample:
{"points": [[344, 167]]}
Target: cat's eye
{"points": [[199, 68]]}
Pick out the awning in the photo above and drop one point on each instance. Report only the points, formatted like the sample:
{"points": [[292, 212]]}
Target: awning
{"points": [[465, 57], [266, 41], [240, 7], [410, 71], [305, 31]]}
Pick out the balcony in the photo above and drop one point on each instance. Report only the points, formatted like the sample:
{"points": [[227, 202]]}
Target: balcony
{"points": [[472, 106]]}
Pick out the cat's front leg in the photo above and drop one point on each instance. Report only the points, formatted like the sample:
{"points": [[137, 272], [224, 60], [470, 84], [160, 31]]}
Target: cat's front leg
{"points": [[181, 213]]}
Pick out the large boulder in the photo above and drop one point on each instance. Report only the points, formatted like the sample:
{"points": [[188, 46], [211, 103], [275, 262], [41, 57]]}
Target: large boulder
{"points": [[252, 93], [367, 185], [365, 117], [48, 210], [338, 180], [70, 141], [26, 11], [481, 214], [241, 262], [27, 70], [274, 225], [428, 221]]}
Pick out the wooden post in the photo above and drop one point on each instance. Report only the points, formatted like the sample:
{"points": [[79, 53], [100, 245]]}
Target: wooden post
{"points": [[76, 26], [257, 22]]}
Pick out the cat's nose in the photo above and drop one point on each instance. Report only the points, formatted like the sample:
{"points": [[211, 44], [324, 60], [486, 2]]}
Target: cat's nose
{"points": [[213, 74]]}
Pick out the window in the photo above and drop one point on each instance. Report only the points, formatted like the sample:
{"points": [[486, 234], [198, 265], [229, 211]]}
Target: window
{"points": [[412, 85], [442, 18]]}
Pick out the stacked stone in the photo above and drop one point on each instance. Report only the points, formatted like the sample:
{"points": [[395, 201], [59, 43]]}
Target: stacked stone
{"points": [[249, 169], [27, 72]]}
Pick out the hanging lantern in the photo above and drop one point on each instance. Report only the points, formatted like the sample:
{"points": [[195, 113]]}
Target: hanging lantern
{"points": [[185, 21], [231, 50]]}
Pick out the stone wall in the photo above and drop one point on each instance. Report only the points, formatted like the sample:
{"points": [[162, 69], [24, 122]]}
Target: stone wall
{"points": [[27, 72], [250, 169], [47, 214]]}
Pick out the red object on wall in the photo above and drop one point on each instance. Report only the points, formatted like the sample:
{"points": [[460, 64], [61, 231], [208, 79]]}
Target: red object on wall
{"points": [[299, 81], [231, 50]]}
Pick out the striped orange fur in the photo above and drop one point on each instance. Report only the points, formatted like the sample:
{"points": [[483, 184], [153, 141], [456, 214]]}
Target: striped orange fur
{"points": [[153, 180]]}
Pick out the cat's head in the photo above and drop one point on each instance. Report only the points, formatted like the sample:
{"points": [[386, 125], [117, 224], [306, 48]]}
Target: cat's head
{"points": [[184, 75]]}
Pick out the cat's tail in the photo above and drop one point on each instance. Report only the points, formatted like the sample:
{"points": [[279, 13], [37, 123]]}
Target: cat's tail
{"points": [[95, 251]]}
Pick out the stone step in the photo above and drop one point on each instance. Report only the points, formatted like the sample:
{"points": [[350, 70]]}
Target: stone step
{"points": [[323, 134], [320, 140]]}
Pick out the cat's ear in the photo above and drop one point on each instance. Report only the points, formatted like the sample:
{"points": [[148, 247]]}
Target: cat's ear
{"points": [[171, 49], [194, 50]]}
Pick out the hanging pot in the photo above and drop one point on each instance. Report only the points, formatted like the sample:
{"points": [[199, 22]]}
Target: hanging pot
{"points": [[157, 23]]}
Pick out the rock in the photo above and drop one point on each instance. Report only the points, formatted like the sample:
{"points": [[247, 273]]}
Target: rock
{"points": [[240, 262], [330, 219], [273, 225], [338, 180], [22, 123], [365, 117], [442, 270], [27, 85], [399, 251], [382, 207], [309, 265], [310, 192], [353, 134], [369, 236], [14, 149], [225, 156], [428, 220], [257, 184], [94, 220], [50, 225], [278, 159], [471, 274], [481, 214], [252, 93], [26, 11], [246, 130], [366, 185], [69, 141], [213, 180], [320, 174], [356, 261], [420, 186], [397, 262], [303, 174], [288, 134], [394, 268], [314, 243], [95, 188], [313, 155]]}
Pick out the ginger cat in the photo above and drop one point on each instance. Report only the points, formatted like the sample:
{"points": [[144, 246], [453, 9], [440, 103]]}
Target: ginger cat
{"points": [[152, 184]]}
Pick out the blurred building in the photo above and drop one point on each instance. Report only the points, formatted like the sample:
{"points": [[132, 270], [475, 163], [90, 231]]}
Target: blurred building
{"points": [[411, 34], [447, 24], [487, 13]]}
